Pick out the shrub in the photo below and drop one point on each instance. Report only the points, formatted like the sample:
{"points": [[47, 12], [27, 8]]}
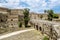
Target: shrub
{"points": [[55, 16], [20, 24], [26, 16], [45, 38]]}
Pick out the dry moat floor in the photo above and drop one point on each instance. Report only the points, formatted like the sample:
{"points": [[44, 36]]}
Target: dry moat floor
{"points": [[30, 35]]}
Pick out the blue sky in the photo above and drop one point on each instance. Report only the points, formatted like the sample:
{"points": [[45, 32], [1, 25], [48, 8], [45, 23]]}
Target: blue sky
{"points": [[33, 5]]}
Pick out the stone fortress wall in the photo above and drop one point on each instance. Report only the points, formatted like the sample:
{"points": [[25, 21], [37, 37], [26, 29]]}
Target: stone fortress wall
{"points": [[3, 17], [11, 17], [51, 29], [38, 16]]}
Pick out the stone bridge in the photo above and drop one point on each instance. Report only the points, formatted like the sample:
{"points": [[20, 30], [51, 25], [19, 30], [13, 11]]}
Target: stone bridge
{"points": [[52, 29]]}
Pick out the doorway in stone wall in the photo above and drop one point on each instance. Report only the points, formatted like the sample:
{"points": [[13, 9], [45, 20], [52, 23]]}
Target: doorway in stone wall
{"points": [[37, 27], [40, 28]]}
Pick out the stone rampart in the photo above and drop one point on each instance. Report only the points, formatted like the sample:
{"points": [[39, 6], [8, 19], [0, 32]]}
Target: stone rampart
{"points": [[52, 29]]}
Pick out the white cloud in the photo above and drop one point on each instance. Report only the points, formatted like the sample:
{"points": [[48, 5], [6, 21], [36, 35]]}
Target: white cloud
{"points": [[53, 3], [10, 3], [34, 5]]}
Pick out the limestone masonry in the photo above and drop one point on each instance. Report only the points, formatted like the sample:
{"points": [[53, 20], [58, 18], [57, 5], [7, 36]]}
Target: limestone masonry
{"points": [[11, 18]]}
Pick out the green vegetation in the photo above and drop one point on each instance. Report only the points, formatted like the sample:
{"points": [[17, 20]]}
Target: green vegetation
{"points": [[51, 14], [55, 16], [20, 24], [26, 17], [45, 38]]}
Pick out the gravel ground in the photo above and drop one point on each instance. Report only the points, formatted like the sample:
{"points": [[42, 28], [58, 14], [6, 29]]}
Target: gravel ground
{"points": [[30, 35]]}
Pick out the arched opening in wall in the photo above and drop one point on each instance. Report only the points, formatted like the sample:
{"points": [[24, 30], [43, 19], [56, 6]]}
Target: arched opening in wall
{"points": [[2, 20], [37, 27], [40, 28], [11, 19]]}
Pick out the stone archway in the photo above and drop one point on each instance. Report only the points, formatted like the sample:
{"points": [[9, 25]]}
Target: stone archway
{"points": [[37, 27], [40, 28]]}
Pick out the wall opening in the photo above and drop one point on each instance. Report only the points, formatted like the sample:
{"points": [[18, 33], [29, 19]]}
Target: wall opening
{"points": [[11, 19], [40, 28], [37, 27], [2, 20]]}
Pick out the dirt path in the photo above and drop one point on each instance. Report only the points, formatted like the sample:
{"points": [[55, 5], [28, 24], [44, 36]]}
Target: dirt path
{"points": [[14, 33], [29, 35]]}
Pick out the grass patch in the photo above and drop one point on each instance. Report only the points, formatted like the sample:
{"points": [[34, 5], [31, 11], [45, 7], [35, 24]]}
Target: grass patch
{"points": [[45, 38]]}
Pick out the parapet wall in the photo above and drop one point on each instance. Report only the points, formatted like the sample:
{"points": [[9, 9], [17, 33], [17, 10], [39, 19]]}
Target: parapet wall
{"points": [[47, 27]]}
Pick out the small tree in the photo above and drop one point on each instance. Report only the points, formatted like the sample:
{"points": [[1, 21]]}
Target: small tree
{"points": [[50, 14], [55, 16], [26, 17], [45, 11], [45, 38], [20, 24]]}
